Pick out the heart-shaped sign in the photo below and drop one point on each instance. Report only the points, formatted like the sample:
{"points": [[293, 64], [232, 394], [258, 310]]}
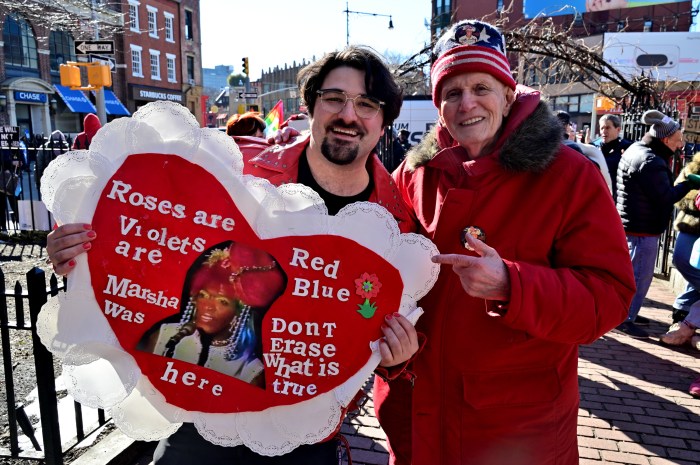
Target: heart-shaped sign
{"points": [[293, 300], [216, 298]]}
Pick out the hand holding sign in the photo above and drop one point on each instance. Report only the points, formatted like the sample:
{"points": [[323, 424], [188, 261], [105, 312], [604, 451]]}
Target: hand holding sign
{"points": [[215, 298]]}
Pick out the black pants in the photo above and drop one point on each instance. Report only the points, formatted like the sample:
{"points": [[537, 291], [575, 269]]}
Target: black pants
{"points": [[187, 447]]}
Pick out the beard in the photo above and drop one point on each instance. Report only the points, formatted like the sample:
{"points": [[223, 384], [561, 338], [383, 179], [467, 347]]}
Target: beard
{"points": [[339, 153]]}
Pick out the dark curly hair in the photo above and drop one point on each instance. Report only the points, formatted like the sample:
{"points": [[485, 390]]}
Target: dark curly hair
{"points": [[379, 81]]}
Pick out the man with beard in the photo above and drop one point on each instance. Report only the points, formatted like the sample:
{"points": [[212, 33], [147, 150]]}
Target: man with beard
{"points": [[351, 97]]}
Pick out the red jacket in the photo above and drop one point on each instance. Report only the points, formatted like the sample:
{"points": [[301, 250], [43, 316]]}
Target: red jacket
{"points": [[280, 164], [503, 390]]}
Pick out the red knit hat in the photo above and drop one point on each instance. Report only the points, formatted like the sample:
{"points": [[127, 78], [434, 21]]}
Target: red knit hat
{"points": [[470, 46]]}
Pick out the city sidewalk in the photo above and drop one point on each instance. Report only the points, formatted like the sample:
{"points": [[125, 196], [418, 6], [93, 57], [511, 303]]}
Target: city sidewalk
{"points": [[635, 408]]}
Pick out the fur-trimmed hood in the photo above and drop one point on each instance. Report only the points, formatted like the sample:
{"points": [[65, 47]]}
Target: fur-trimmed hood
{"points": [[529, 141]]}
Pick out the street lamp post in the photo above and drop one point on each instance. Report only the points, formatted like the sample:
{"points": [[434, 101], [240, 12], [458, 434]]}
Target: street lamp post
{"points": [[347, 20]]}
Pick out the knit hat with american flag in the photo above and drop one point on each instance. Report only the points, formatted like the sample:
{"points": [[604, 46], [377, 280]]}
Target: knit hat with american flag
{"points": [[470, 46]]}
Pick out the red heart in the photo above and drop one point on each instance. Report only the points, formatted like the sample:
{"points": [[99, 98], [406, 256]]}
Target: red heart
{"points": [[151, 243]]}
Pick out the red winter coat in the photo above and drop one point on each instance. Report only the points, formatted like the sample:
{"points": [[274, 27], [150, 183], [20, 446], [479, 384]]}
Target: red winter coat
{"points": [[280, 165], [503, 390]]}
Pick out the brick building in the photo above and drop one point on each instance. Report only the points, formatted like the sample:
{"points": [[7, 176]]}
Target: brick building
{"points": [[165, 33], [33, 48], [162, 52]]}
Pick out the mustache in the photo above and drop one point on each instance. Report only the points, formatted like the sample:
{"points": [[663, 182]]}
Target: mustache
{"points": [[340, 124]]}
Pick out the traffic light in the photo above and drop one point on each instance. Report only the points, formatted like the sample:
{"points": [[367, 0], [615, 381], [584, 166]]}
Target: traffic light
{"points": [[245, 65], [70, 75], [99, 75]]}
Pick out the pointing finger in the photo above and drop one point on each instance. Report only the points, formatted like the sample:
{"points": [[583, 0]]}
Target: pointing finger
{"points": [[454, 259]]}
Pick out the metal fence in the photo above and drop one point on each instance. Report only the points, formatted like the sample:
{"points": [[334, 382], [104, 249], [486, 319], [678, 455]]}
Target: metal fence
{"points": [[24, 211], [13, 303]]}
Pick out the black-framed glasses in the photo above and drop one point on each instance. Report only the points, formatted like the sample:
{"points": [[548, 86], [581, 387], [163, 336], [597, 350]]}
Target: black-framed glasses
{"points": [[335, 100]]}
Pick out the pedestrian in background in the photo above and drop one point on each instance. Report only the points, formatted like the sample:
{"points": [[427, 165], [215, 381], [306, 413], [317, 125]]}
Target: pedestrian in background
{"points": [[687, 223], [403, 139], [645, 199], [527, 276], [91, 124], [246, 124], [55, 146], [612, 145], [589, 151]]}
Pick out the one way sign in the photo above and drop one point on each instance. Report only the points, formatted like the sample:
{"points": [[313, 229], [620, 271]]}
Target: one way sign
{"points": [[86, 47]]}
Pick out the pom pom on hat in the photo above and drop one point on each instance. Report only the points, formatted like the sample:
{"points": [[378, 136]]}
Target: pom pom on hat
{"points": [[661, 125], [470, 46]]}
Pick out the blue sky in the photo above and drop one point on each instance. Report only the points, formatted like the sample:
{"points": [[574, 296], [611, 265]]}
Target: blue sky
{"points": [[283, 31]]}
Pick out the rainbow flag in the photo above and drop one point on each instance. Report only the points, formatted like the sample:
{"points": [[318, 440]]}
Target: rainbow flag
{"points": [[274, 119]]}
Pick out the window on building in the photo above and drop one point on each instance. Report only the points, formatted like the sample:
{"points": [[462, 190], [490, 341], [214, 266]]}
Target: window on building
{"points": [[136, 68], [134, 16], [620, 26], [155, 64], [648, 24], [499, 5], [189, 33], [171, 67], [60, 48], [190, 69], [19, 43], [169, 22], [152, 21]]}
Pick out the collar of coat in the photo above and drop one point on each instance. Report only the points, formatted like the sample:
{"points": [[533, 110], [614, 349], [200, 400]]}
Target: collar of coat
{"points": [[530, 138]]}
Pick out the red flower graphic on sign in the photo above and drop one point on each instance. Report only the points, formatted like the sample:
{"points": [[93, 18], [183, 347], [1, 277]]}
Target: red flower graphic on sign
{"points": [[368, 285]]}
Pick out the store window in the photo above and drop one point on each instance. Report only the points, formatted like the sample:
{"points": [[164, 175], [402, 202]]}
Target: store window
{"points": [[61, 49], [19, 43]]}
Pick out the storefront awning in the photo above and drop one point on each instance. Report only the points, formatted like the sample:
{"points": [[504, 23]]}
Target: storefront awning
{"points": [[113, 105], [75, 100]]}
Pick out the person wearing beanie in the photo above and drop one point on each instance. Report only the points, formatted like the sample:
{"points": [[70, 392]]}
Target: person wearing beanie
{"points": [[645, 198], [535, 263], [351, 97]]}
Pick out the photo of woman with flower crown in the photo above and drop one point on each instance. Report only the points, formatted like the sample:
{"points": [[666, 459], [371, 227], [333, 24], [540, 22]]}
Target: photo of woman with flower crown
{"points": [[226, 294]]}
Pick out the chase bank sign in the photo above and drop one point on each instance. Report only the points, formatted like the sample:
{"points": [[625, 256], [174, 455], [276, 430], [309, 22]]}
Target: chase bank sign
{"points": [[33, 97]]}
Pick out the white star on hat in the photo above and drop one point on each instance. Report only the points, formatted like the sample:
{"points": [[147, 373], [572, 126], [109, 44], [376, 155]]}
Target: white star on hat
{"points": [[484, 36]]}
